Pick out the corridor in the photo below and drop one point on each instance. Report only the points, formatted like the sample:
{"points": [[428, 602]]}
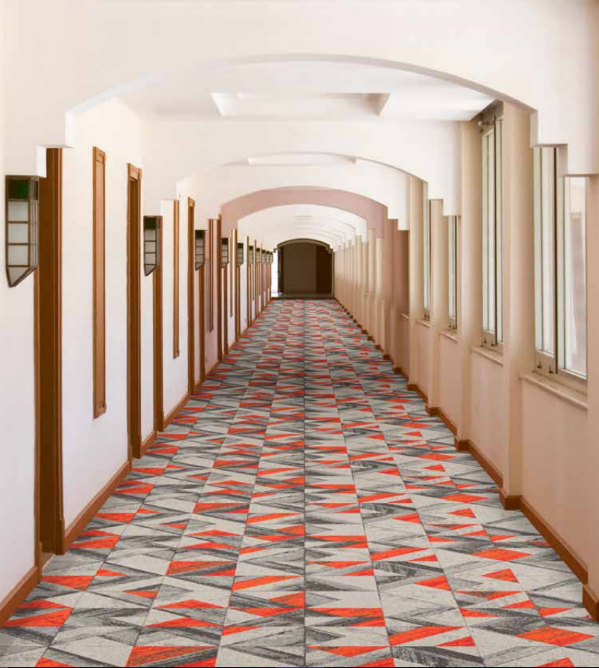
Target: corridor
{"points": [[304, 510]]}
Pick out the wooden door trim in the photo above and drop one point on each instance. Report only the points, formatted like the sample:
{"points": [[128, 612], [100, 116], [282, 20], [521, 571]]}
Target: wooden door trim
{"points": [[49, 516], [191, 338], [134, 316], [202, 296], [219, 293], [99, 333], [158, 319]]}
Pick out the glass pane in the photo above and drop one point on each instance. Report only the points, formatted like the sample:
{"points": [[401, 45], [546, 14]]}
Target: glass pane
{"points": [[18, 212], [489, 232], [452, 267], [18, 234], [498, 231], [18, 189], [427, 254], [575, 276], [18, 255], [14, 273], [547, 250]]}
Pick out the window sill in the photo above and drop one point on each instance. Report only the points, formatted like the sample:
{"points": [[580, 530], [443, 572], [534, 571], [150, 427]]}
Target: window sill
{"points": [[450, 334], [574, 397], [488, 354], [423, 322]]}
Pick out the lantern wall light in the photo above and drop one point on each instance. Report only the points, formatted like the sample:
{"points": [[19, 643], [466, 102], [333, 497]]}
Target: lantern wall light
{"points": [[224, 252], [22, 220], [152, 226], [250, 255], [200, 248], [240, 254]]}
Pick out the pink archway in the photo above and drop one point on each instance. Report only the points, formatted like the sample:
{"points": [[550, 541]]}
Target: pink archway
{"points": [[373, 212]]}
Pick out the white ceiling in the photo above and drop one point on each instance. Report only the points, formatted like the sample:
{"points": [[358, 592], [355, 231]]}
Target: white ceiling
{"points": [[305, 91], [281, 223]]}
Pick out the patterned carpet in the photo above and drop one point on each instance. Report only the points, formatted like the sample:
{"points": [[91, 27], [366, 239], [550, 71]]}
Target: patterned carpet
{"points": [[304, 510]]}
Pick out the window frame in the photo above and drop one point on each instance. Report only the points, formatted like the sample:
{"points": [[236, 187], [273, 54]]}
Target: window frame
{"points": [[427, 257], [547, 363], [491, 124], [453, 242]]}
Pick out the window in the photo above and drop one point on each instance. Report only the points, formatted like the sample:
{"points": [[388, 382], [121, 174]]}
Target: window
{"points": [[560, 270], [426, 248], [492, 231], [99, 281], [453, 272]]}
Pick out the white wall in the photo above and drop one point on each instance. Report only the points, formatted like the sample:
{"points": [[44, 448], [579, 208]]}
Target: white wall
{"points": [[174, 369], [93, 450], [17, 407]]}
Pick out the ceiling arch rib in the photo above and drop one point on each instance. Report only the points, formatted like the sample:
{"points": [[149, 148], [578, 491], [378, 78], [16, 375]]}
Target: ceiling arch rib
{"points": [[277, 223]]}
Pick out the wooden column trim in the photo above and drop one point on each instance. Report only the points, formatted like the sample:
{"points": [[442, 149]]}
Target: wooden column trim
{"points": [[134, 313], [219, 293], [191, 337], [99, 283], [49, 515], [202, 296], [158, 319], [176, 280]]}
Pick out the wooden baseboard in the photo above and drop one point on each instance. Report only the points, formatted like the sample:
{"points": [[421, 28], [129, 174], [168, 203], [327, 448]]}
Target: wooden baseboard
{"points": [[85, 516], [590, 600], [413, 387], [148, 443], [176, 410], [387, 357], [18, 594], [566, 554], [438, 412], [398, 370], [509, 501], [493, 472]]}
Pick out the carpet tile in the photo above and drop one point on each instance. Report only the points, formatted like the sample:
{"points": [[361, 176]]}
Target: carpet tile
{"points": [[303, 509]]}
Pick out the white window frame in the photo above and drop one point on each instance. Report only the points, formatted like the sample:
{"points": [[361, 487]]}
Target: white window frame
{"points": [[427, 258], [453, 247], [552, 363], [491, 124]]}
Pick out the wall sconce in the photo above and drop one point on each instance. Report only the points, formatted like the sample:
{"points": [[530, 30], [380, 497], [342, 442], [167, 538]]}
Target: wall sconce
{"points": [[151, 243], [22, 219], [224, 252], [200, 248], [269, 257], [239, 254], [250, 255], [258, 256]]}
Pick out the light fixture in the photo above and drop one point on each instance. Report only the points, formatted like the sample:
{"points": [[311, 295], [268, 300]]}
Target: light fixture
{"points": [[250, 255], [258, 256], [22, 218], [239, 254], [200, 248], [224, 252], [151, 243]]}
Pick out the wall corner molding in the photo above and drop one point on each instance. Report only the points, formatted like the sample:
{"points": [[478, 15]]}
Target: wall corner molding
{"points": [[85, 516], [172, 414], [18, 594], [590, 600], [148, 442]]}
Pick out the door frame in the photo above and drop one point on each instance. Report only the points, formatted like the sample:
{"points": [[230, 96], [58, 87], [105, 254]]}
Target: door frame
{"points": [[49, 516], [134, 445], [219, 292]]}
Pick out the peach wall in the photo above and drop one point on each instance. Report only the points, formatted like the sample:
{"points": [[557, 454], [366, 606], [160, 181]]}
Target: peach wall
{"points": [[488, 408], [555, 450], [421, 343], [449, 377]]}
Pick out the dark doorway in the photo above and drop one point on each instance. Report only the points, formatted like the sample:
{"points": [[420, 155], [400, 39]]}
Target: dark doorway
{"points": [[306, 269]]}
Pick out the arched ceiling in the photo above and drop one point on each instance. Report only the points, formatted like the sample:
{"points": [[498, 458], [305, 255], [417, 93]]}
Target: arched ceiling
{"points": [[281, 223], [305, 90]]}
